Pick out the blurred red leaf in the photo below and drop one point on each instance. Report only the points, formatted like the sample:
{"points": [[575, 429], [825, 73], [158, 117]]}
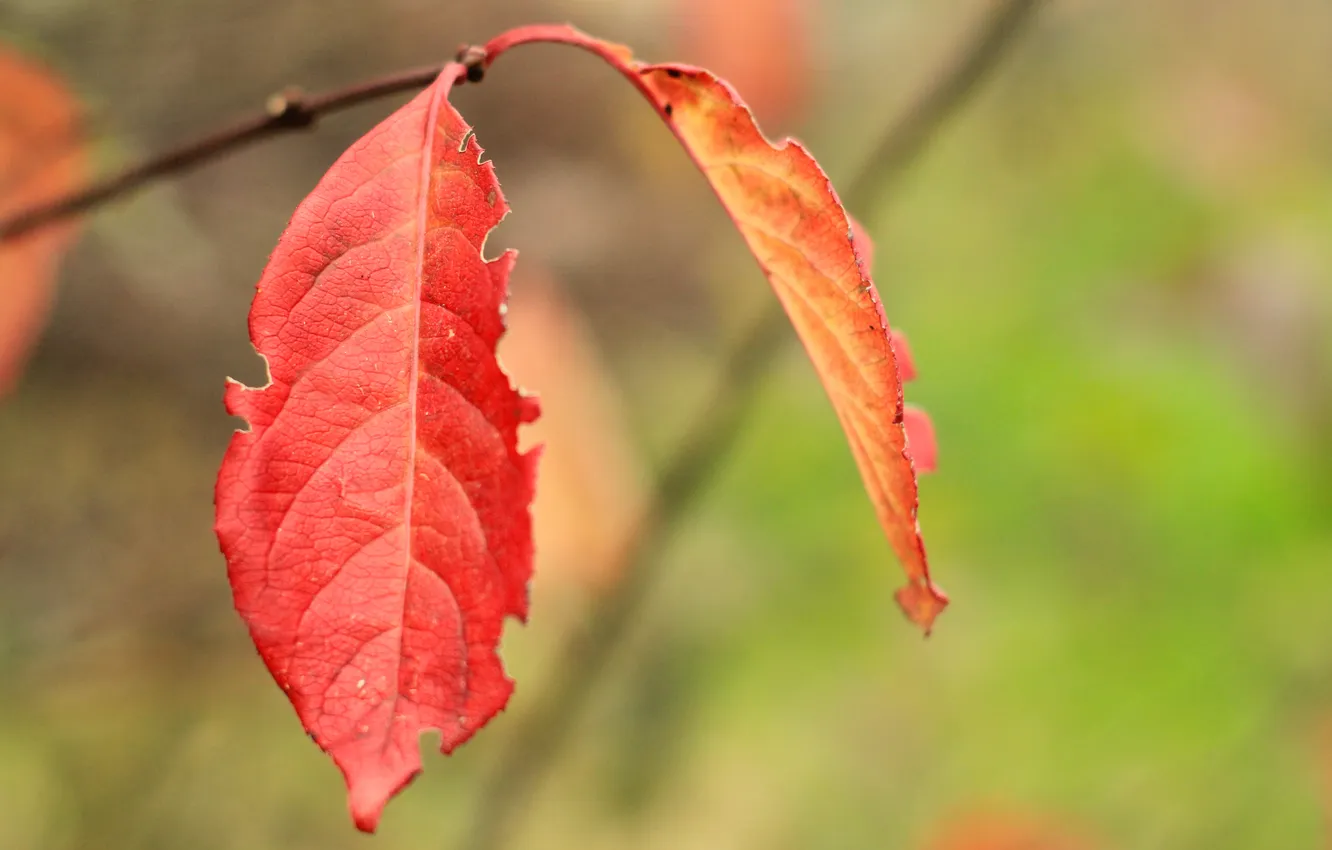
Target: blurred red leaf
{"points": [[920, 440], [762, 47], [41, 157], [375, 519], [789, 215]]}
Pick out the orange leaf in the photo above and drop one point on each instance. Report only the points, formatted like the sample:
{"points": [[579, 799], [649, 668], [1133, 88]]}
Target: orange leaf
{"points": [[995, 831], [789, 215], [41, 157]]}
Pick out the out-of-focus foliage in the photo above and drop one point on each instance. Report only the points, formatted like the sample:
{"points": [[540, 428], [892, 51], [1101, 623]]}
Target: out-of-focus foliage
{"points": [[592, 484], [41, 157], [1116, 272], [1005, 831], [769, 63]]}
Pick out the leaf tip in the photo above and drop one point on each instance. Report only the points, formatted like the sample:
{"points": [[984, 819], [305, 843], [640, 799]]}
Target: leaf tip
{"points": [[922, 602], [369, 792]]}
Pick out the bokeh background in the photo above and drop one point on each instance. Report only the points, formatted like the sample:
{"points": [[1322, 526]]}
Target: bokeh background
{"points": [[1115, 269]]}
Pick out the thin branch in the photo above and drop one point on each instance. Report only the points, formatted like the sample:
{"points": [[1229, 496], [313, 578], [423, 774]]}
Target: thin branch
{"points": [[285, 112], [931, 109], [582, 661]]}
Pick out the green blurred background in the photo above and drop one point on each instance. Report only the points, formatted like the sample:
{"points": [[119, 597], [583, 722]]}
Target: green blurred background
{"points": [[1115, 269]]}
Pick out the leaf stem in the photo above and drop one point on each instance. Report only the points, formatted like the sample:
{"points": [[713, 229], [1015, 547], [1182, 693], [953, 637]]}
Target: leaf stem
{"points": [[581, 662]]}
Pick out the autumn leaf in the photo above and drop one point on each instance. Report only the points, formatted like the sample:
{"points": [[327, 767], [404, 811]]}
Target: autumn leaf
{"points": [[375, 517], [791, 219], [41, 157]]}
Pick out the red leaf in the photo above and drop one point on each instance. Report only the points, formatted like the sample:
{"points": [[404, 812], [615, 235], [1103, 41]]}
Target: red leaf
{"points": [[788, 213], [375, 519], [41, 157]]}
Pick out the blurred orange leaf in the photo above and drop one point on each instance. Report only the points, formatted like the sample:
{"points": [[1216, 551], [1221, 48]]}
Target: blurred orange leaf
{"points": [[1323, 752], [762, 47], [41, 157], [592, 489], [994, 831]]}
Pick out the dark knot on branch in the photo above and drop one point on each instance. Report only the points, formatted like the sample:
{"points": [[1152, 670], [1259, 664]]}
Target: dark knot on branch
{"points": [[288, 108], [473, 58]]}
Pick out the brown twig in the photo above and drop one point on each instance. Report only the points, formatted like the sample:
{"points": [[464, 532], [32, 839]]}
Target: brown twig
{"points": [[581, 662], [908, 136], [288, 111]]}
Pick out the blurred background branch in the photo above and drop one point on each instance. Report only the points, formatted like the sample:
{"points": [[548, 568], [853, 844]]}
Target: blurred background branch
{"points": [[581, 662], [287, 111]]}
